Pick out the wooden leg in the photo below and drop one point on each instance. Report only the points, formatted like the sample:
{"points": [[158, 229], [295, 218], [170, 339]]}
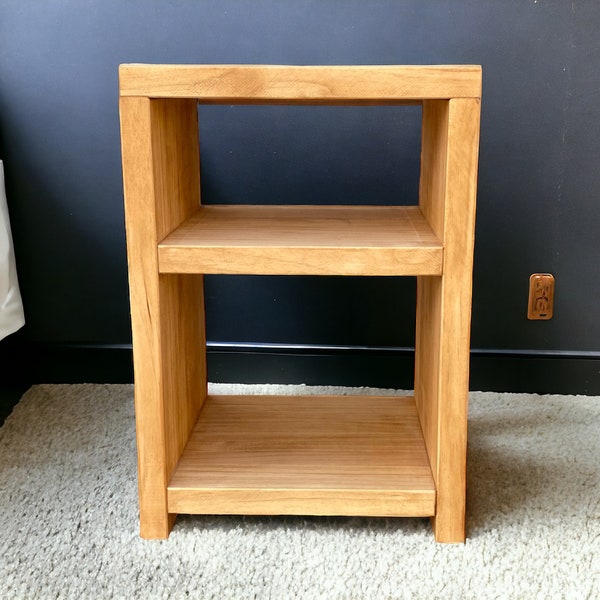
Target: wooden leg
{"points": [[169, 390], [441, 393], [161, 173], [447, 198]]}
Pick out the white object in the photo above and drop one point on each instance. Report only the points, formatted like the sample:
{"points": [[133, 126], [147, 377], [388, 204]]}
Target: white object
{"points": [[11, 306]]}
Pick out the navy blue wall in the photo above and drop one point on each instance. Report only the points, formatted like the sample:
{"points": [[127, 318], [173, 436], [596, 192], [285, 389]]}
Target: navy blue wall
{"points": [[538, 205]]}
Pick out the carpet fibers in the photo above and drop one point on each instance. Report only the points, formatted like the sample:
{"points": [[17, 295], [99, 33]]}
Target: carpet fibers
{"points": [[68, 514]]}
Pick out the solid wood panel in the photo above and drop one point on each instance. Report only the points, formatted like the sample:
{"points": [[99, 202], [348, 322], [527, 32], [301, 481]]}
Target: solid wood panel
{"points": [[161, 185], [432, 200], [176, 154], [305, 455], [138, 183], [434, 156], [272, 84], [303, 240], [177, 187], [448, 193], [292, 501], [427, 363]]}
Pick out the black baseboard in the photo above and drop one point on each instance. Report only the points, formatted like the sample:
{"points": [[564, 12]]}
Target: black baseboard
{"points": [[33, 362], [552, 372], [500, 371], [347, 366], [10, 394], [540, 372]]}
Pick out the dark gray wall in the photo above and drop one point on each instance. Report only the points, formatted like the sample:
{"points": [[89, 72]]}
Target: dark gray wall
{"points": [[538, 205]]}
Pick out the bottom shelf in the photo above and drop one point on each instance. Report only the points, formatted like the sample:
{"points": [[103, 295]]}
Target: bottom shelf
{"points": [[305, 455]]}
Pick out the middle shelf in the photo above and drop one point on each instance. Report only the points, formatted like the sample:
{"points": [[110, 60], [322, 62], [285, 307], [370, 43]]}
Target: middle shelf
{"points": [[303, 240]]}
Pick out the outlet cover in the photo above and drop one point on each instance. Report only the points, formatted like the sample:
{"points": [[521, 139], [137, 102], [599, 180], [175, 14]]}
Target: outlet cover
{"points": [[541, 296]]}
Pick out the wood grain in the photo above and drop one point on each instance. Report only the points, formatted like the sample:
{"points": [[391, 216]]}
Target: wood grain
{"points": [[161, 185], [448, 194], [274, 84], [432, 200], [305, 455], [303, 240], [264, 455]]}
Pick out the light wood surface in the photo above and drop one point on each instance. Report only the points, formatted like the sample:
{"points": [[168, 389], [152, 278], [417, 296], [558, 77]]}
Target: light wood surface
{"points": [[305, 455], [274, 84], [448, 193], [162, 186], [303, 240], [432, 200], [364, 456]]}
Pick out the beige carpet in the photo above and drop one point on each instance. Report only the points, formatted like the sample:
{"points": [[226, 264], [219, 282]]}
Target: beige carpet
{"points": [[68, 514]]}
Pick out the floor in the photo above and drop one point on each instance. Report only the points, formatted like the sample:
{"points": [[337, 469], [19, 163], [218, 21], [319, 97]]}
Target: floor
{"points": [[9, 396]]}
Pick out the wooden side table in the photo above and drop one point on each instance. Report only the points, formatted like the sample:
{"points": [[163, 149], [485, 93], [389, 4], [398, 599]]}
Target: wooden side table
{"points": [[379, 456]]}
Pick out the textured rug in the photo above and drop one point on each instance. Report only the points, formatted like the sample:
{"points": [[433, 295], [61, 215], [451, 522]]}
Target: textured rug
{"points": [[68, 514]]}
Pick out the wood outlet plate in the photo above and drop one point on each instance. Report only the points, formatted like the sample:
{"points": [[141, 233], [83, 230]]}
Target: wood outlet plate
{"points": [[541, 296]]}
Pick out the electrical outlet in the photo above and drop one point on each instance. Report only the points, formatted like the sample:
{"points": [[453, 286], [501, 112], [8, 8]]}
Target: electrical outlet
{"points": [[541, 296]]}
